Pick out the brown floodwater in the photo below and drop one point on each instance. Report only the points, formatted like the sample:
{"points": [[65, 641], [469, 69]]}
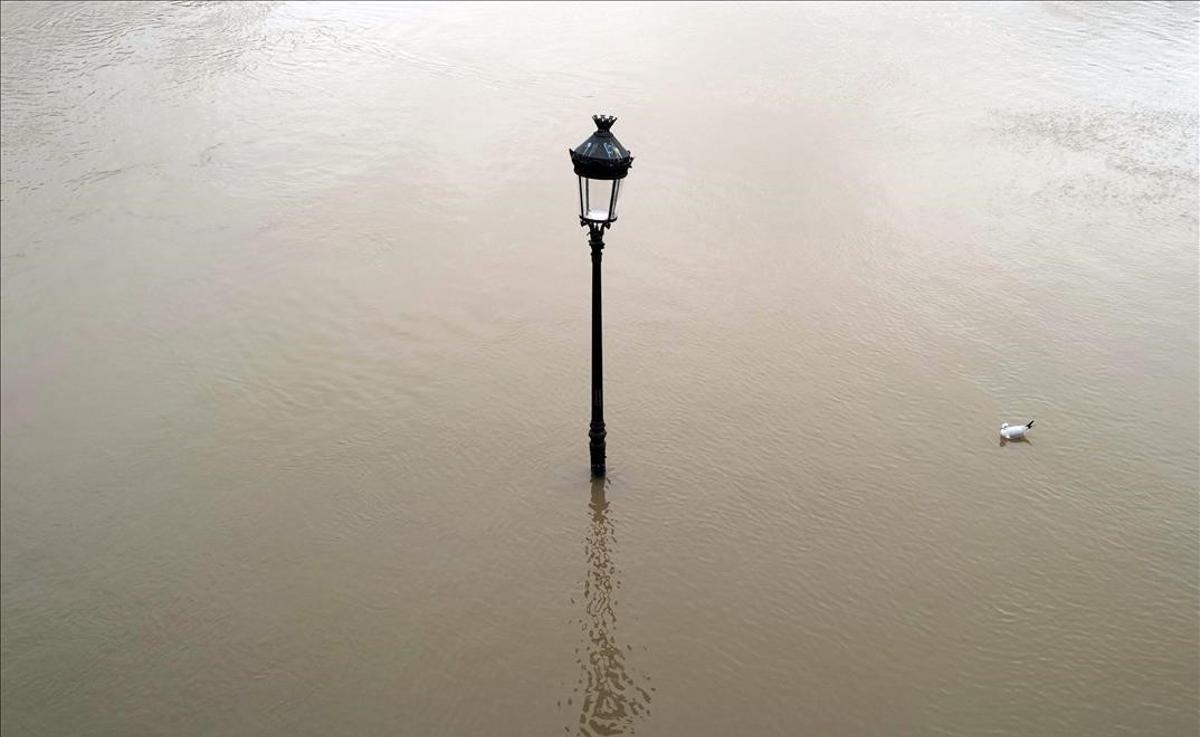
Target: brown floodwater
{"points": [[295, 313]]}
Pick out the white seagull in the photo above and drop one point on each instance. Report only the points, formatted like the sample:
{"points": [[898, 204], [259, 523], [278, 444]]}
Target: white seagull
{"points": [[1015, 432]]}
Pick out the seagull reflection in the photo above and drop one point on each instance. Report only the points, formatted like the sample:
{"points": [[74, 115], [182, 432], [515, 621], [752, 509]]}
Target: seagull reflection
{"points": [[613, 700]]}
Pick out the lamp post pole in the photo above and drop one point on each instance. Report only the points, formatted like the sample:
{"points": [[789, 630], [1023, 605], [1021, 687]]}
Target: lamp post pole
{"points": [[596, 432]]}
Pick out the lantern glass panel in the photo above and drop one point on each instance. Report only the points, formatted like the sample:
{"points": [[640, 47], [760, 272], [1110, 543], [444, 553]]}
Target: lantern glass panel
{"points": [[599, 199]]}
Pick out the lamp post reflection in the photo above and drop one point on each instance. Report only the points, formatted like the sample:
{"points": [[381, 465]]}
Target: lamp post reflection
{"points": [[613, 698]]}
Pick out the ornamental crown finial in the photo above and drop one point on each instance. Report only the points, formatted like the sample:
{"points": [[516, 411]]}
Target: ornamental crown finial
{"points": [[603, 122]]}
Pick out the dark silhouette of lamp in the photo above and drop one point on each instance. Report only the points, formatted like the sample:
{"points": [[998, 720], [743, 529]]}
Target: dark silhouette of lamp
{"points": [[600, 163]]}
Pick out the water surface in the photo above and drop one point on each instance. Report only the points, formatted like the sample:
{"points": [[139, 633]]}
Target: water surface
{"points": [[295, 370]]}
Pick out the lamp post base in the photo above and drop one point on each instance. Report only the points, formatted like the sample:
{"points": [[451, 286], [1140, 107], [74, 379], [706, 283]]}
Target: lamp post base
{"points": [[596, 434]]}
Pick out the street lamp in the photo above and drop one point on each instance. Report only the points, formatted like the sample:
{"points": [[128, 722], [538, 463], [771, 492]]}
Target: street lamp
{"points": [[600, 162]]}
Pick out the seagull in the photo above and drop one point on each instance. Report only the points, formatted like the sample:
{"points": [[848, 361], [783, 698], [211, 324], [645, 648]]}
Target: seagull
{"points": [[1009, 432]]}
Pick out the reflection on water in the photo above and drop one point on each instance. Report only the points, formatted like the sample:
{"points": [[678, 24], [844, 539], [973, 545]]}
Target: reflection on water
{"points": [[613, 697]]}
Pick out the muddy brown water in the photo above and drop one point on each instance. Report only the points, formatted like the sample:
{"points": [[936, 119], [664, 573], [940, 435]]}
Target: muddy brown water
{"points": [[295, 353]]}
